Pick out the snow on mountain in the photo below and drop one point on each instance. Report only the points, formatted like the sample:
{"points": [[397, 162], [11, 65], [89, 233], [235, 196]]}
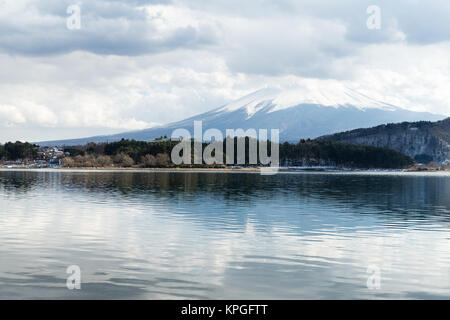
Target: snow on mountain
{"points": [[299, 113], [335, 96]]}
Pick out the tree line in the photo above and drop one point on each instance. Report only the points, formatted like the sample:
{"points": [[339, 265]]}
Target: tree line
{"points": [[12, 151], [132, 153], [123, 153], [324, 152]]}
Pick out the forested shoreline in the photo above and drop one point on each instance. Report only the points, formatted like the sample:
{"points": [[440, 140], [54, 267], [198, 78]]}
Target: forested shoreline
{"points": [[12, 151], [132, 153]]}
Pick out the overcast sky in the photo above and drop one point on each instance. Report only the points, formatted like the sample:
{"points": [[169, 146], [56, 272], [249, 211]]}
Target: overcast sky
{"points": [[137, 63]]}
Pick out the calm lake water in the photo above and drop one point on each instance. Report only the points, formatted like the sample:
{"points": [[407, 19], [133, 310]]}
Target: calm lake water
{"points": [[215, 235]]}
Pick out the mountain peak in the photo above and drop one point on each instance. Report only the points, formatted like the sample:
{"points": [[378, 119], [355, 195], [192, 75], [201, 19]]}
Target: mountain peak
{"points": [[274, 99], [254, 101]]}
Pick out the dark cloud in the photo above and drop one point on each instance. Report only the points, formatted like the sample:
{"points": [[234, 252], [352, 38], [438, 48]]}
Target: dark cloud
{"points": [[422, 22], [107, 27], [268, 37], [339, 31]]}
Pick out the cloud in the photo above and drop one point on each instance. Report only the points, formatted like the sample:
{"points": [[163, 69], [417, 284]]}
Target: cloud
{"points": [[138, 63], [421, 22], [275, 46], [10, 115], [107, 28]]}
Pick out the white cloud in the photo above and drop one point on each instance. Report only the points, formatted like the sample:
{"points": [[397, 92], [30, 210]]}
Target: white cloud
{"points": [[10, 115]]}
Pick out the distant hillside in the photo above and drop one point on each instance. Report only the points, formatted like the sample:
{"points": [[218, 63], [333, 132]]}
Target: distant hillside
{"points": [[423, 141]]}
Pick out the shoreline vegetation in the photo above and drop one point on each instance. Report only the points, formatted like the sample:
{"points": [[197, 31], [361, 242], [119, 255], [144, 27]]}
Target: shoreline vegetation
{"points": [[310, 155], [229, 169]]}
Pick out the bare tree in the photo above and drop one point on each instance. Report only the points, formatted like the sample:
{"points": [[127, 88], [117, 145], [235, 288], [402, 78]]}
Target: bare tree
{"points": [[124, 160], [68, 162], [162, 159], [148, 161], [104, 161]]}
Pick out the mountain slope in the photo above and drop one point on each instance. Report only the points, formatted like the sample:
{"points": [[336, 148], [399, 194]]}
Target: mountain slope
{"points": [[300, 113], [424, 141]]}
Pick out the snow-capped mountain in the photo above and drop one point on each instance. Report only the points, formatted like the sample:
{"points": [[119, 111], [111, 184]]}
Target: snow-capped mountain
{"points": [[299, 113], [277, 99]]}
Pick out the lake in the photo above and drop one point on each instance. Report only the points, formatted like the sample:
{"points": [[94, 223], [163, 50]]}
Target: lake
{"points": [[224, 235]]}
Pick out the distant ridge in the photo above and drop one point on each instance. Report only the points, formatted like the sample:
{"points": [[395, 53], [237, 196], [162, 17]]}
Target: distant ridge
{"points": [[424, 141], [300, 113]]}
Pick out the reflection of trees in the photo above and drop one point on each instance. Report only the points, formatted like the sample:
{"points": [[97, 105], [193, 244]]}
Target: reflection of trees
{"points": [[407, 196], [213, 193], [403, 194], [17, 181]]}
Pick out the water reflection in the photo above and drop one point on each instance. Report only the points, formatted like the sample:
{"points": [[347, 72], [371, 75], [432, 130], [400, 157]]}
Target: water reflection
{"points": [[223, 235]]}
